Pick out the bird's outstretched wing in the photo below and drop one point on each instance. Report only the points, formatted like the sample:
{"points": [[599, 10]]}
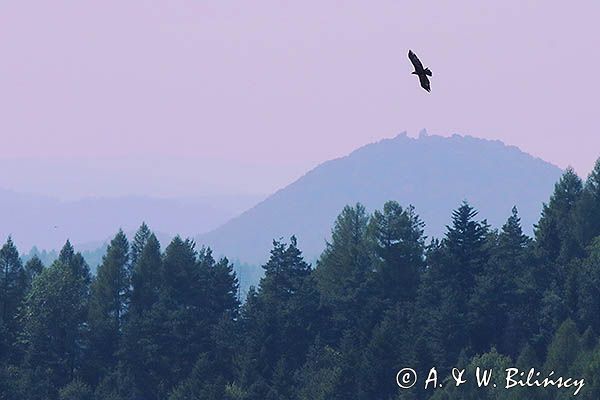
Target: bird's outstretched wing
{"points": [[415, 61], [425, 82]]}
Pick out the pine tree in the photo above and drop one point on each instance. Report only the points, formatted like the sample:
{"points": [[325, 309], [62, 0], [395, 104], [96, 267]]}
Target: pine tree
{"points": [[146, 277], [555, 232], [76, 390], [54, 324], [592, 374], [33, 267], [279, 322], [454, 267], [205, 382], [163, 333], [344, 274], [139, 242], [108, 305], [13, 284], [399, 245], [588, 287], [321, 375], [175, 307], [564, 348], [220, 286], [465, 246], [143, 325], [390, 347], [512, 240], [587, 209], [504, 297], [75, 262]]}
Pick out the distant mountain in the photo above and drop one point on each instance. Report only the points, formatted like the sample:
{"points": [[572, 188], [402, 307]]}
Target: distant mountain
{"points": [[45, 222], [433, 173]]}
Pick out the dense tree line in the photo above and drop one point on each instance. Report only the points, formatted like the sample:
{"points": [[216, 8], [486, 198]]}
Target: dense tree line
{"points": [[169, 324]]}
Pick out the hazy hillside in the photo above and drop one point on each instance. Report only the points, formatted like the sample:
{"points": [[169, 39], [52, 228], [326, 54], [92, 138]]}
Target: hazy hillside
{"points": [[47, 222], [434, 173]]}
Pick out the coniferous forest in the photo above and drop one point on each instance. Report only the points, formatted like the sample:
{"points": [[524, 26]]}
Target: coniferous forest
{"points": [[167, 323]]}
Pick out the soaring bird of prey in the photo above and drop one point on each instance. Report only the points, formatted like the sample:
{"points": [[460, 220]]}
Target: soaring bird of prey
{"points": [[421, 72]]}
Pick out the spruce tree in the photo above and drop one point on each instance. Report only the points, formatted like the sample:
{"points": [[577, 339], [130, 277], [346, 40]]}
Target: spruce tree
{"points": [[279, 321], [140, 352], [33, 267], [108, 305], [344, 274], [588, 287], [146, 277], [13, 284], [321, 375], [54, 324], [465, 247], [139, 242], [555, 233], [587, 209], [564, 348], [455, 265], [399, 246], [504, 297]]}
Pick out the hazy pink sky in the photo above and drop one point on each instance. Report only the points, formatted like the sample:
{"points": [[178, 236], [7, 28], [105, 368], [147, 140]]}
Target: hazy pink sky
{"points": [[187, 97]]}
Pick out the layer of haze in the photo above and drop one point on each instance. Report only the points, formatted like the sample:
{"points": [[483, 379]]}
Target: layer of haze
{"points": [[185, 98]]}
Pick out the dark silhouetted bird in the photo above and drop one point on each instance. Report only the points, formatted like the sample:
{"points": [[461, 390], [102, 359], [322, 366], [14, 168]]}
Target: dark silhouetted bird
{"points": [[421, 72]]}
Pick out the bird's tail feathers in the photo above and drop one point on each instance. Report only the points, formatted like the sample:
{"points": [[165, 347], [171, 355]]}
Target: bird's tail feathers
{"points": [[428, 72]]}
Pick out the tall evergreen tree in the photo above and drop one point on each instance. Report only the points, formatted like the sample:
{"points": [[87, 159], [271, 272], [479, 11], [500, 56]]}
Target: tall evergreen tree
{"points": [[76, 263], [344, 274], [399, 246], [454, 266], [165, 340], [564, 348], [139, 242], [220, 285], [587, 209], [13, 284], [504, 296], [140, 354], [588, 288], [280, 322], [54, 324], [146, 277], [108, 305], [465, 247], [555, 233], [321, 376], [33, 267]]}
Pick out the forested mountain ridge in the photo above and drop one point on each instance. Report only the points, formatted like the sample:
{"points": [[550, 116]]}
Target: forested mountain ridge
{"points": [[432, 172], [168, 323]]}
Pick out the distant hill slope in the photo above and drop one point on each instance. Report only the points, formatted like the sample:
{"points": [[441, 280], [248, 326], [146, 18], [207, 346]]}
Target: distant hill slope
{"points": [[433, 173], [47, 222]]}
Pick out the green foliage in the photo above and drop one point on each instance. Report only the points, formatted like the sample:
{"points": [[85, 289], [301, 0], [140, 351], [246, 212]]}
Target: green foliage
{"points": [[108, 304], [564, 348], [555, 233], [54, 322], [33, 267], [76, 390], [154, 325], [280, 322], [344, 272], [146, 277], [399, 243], [141, 238], [320, 377], [13, 284]]}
